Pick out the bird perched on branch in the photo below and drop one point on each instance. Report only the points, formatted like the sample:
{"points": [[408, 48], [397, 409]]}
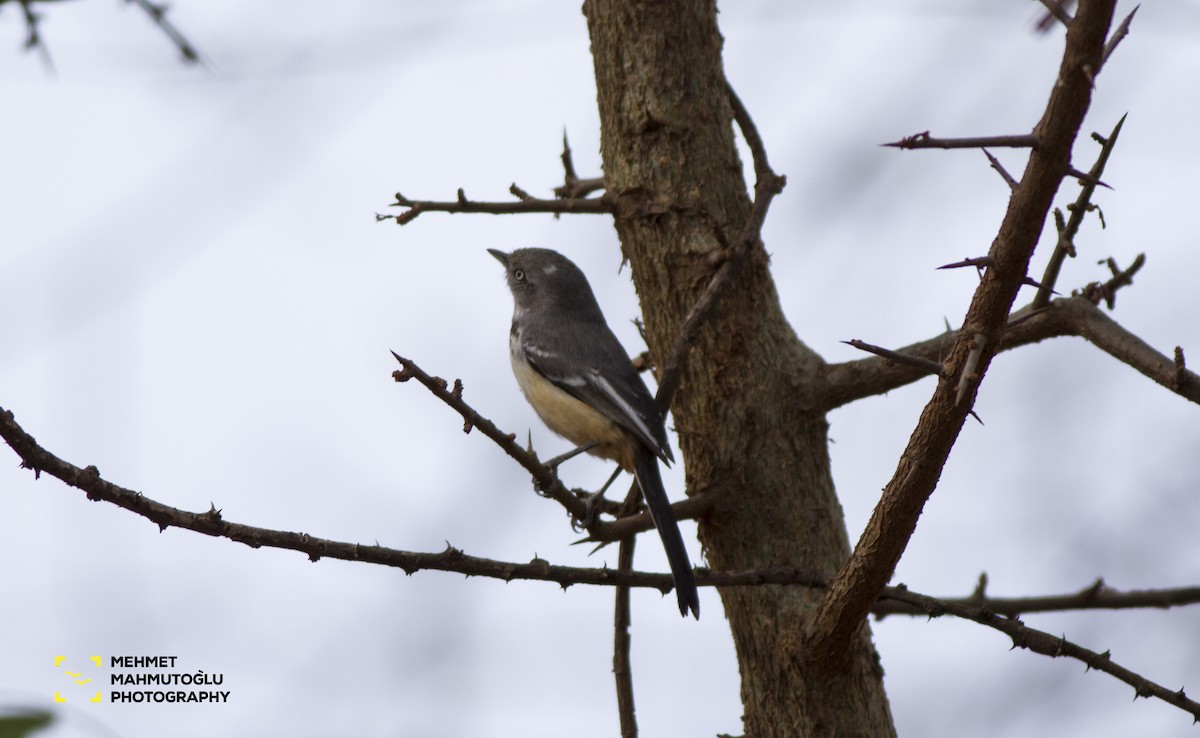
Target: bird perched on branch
{"points": [[582, 384]]}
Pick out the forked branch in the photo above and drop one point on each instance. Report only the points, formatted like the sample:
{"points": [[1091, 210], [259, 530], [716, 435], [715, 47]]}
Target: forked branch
{"points": [[842, 610]]}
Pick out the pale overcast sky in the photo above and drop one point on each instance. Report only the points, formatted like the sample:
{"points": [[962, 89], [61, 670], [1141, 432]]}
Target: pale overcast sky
{"points": [[197, 299]]}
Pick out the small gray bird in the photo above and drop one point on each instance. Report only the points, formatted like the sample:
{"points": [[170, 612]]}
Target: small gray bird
{"points": [[580, 381]]}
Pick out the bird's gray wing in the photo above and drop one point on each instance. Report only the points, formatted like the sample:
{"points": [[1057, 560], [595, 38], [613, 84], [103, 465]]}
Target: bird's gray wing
{"points": [[601, 376]]}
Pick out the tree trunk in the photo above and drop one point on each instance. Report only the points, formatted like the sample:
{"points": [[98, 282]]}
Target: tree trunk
{"points": [[749, 425]]}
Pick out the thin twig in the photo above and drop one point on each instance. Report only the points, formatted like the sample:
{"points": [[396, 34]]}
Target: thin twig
{"points": [[1066, 237], [590, 205], [924, 141], [1096, 596], [545, 479]]}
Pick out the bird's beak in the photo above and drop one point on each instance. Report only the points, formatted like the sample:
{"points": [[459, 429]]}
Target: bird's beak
{"points": [[500, 256]]}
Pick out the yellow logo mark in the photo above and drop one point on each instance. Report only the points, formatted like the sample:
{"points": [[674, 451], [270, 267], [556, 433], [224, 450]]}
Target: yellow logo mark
{"points": [[77, 677]]}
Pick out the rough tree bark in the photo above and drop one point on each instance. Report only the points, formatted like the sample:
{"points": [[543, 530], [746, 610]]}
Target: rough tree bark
{"points": [[749, 423]]}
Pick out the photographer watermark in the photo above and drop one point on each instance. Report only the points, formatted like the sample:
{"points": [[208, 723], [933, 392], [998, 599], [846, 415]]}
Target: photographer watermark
{"points": [[139, 680]]}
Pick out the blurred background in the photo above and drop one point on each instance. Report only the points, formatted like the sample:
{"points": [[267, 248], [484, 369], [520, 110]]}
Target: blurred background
{"points": [[197, 299]]}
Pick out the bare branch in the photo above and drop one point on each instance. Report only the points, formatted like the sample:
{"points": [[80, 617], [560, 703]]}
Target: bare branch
{"points": [[1096, 596], [924, 141], [1110, 337], [212, 523], [841, 611], [545, 480], [1048, 645], [1066, 236], [590, 205], [893, 600], [1068, 316]]}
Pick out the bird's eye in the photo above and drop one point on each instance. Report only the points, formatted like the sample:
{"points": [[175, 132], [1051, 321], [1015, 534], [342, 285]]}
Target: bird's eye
{"points": [[519, 275]]}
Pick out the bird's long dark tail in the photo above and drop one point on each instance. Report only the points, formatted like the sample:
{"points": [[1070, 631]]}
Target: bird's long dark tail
{"points": [[650, 480]]}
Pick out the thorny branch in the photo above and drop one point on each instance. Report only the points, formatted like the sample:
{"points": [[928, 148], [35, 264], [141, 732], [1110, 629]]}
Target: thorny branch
{"points": [[523, 204], [1048, 645], [88, 480], [544, 477], [848, 600], [1066, 237], [1095, 596], [212, 523], [1067, 316], [853, 380], [767, 186]]}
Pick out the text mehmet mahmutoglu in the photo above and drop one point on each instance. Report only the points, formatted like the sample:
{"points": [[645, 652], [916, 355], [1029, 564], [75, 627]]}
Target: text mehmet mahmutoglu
{"points": [[191, 679]]}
